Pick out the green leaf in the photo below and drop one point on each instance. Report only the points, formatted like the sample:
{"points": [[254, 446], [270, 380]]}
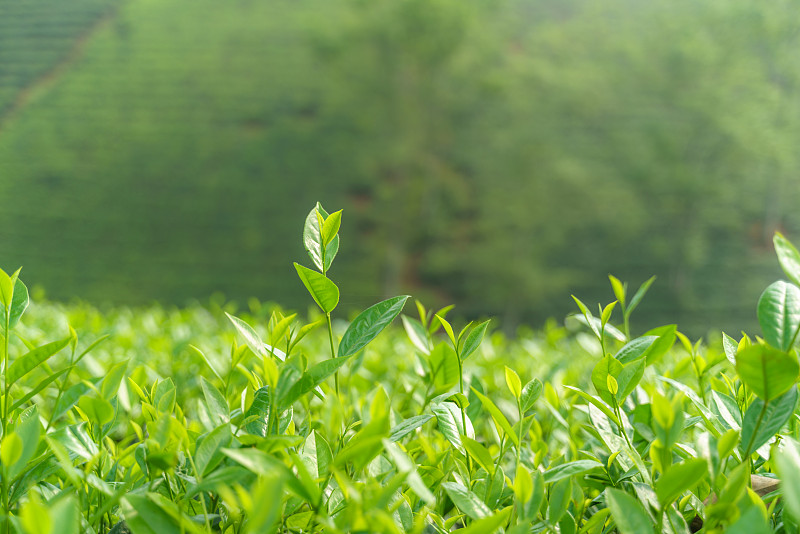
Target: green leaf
{"points": [[312, 240], [259, 409], [19, 303], [606, 367], [447, 328], [417, 334], [488, 525], [629, 515], [322, 289], [39, 387], [514, 383], [566, 470], [331, 227], [560, 497], [473, 340], [756, 433], [407, 426], [209, 449], [619, 289], [498, 416], [635, 349], [787, 460], [447, 425], [217, 406], [444, 366], [789, 259], [779, 314], [98, 410], [731, 347], [596, 403], [666, 338], [7, 284], [66, 514], [29, 431], [147, 517], [369, 324], [752, 521], [637, 297], [112, 379], [767, 371], [251, 338], [27, 363], [678, 478], [466, 501], [479, 453], [406, 465], [314, 376], [530, 394], [629, 378], [317, 454], [11, 449]]}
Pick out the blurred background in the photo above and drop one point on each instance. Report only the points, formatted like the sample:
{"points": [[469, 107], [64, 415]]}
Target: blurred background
{"points": [[499, 155]]}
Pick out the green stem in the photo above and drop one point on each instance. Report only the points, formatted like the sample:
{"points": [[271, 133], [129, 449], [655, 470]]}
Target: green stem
{"points": [[333, 351], [761, 415], [5, 487]]}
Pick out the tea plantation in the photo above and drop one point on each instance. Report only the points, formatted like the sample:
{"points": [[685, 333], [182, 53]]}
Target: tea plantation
{"points": [[223, 419]]}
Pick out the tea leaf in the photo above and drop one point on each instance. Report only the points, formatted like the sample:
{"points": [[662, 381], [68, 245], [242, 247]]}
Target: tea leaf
{"points": [[369, 324], [758, 427], [628, 513], [559, 472], [498, 416], [767, 371], [322, 289], [679, 478], [19, 303], [779, 314], [466, 501], [407, 426], [788, 257], [787, 461], [635, 349], [32, 359]]}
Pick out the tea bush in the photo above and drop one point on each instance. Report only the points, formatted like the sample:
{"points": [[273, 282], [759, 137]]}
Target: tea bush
{"points": [[217, 419]]}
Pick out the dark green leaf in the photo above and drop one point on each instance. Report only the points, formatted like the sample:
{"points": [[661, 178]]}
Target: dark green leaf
{"points": [[756, 433], [369, 324]]}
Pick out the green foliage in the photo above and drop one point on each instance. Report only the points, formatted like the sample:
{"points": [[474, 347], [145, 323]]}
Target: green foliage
{"points": [[149, 433]]}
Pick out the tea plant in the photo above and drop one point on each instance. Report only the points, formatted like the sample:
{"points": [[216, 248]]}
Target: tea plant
{"points": [[160, 421]]}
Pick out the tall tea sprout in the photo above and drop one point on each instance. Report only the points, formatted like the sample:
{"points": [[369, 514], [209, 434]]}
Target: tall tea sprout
{"points": [[321, 241]]}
